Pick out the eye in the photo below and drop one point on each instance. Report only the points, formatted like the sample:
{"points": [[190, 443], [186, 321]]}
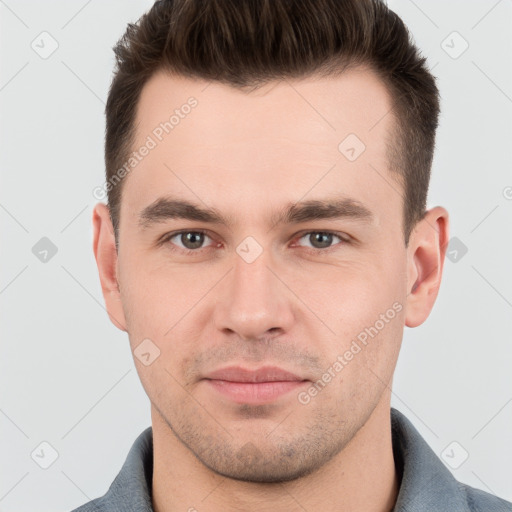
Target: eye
{"points": [[193, 240], [323, 239], [189, 241]]}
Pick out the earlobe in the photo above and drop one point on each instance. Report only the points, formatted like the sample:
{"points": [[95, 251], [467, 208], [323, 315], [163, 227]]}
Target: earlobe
{"points": [[426, 253], [105, 254]]}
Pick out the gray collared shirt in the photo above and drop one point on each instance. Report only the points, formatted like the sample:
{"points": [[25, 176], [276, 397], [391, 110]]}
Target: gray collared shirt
{"points": [[426, 483]]}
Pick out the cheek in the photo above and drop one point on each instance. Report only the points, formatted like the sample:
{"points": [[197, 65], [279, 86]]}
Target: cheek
{"points": [[163, 303], [350, 291], [363, 303], [156, 294]]}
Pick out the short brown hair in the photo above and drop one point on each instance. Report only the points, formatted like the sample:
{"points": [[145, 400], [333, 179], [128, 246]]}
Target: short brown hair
{"points": [[247, 43]]}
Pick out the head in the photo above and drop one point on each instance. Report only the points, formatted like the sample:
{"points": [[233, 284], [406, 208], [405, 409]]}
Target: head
{"points": [[267, 171]]}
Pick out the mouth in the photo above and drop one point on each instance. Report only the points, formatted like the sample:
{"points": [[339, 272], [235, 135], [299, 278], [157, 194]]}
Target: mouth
{"points": [[260, 386]]}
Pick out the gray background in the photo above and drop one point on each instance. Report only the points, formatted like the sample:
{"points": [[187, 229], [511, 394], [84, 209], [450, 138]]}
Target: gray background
{"points": [[66, 372]]}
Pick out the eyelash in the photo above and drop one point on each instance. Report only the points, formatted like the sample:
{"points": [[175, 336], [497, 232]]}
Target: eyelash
{"points": [[345, 239]]}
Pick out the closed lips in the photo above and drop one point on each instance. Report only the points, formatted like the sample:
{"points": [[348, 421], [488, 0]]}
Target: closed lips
{"points": [[265, 374]]}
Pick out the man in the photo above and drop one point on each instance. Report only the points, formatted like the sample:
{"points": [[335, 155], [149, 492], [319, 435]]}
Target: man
{"points": [[265, 243]]}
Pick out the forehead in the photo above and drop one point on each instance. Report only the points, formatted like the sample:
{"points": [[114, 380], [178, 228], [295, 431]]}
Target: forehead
{"points": [[209, 139], [312, 108]]}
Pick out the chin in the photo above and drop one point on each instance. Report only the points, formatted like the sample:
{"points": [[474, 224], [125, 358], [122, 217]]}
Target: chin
{"points": [[263, 473], [250, 464]]}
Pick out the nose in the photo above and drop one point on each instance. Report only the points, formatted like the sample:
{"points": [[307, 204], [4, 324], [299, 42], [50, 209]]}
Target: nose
{"points": [[254, 302]]}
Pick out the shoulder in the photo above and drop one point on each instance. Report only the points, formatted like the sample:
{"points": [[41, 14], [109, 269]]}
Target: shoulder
{"points": [[94, 506], [426, 482], [131, 489], [481, 501]]}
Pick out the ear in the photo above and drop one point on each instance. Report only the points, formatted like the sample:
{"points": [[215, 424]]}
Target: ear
{"points": [[425, 258], [106, 258]]}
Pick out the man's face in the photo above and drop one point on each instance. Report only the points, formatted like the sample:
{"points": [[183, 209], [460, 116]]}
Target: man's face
{"points": [[264, 291]]}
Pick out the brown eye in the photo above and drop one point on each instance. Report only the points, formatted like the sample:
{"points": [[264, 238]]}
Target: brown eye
{"points": [[188, 240], [322, 239], [192, 239]]}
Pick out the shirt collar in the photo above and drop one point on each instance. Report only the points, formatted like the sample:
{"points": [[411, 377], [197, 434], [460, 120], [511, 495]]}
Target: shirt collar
{"points": [[425, 482]]}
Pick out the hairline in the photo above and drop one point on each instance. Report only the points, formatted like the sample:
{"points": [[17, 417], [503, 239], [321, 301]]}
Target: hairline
{"points": [[332, 68]]}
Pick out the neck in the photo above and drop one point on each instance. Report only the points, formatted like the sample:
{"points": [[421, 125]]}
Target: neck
{"points": [[361, 477]]}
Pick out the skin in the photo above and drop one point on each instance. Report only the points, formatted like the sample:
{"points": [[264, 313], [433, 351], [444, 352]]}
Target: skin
{"points": [[248, 155]]}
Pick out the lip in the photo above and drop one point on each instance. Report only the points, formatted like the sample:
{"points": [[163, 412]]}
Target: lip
{"points": [[264, 374], [263, 385]]}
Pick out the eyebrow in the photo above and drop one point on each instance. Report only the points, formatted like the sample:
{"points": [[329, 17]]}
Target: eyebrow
{"points": [[166, 208]]}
